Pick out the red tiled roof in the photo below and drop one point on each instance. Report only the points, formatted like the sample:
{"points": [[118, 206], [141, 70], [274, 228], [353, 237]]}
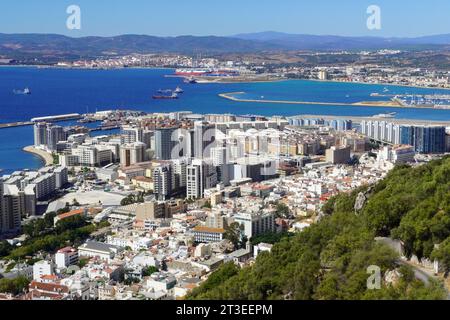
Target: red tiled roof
{"points": [[210, 230], [71, 214], [48, 287]]}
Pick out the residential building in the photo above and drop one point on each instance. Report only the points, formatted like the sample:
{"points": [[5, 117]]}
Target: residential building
{"points": [[206, 234]]}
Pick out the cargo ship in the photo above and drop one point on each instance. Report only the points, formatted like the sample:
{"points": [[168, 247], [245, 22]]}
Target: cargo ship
{"points": [[206, 72], [161, 97], [192, 72]]}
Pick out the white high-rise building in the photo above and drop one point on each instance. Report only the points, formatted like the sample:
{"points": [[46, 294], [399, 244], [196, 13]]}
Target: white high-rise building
{"points": [[162, 179], [219, 156], [199, 176], [132, 153], [179, 172], [204, 138], [131, 134]]}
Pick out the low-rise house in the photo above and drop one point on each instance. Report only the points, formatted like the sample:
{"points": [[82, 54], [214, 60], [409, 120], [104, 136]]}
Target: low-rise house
{"points": [[47, 291], [74, 213], [99, 250], [161, 281], [240, 256]]}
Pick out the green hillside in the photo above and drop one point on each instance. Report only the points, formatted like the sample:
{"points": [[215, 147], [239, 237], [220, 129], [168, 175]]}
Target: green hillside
{"points": [[330, 259]]}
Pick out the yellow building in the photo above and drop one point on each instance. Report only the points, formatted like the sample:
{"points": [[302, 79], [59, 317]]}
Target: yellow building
{"points": [[143, 183]]}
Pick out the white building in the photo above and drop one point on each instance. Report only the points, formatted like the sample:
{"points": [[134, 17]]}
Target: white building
{"points": [[99, 250], [256, 224], [66, 257], [43, 268]]}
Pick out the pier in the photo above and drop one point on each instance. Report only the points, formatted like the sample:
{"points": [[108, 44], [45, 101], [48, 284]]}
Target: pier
{"points": [[15, 124], [62, 117], [56, 118]]}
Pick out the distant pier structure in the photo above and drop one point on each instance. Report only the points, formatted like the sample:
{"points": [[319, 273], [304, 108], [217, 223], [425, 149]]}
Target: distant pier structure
{"points": [[56, 118], [62, 117]]}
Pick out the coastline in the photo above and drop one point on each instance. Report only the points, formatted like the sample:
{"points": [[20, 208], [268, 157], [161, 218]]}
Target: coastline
{"points": [[224, 81], [375, 84], [46, 157]]}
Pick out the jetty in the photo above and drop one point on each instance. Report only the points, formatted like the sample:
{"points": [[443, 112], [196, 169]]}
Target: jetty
{"points": [[15, 124], [56, 118]]}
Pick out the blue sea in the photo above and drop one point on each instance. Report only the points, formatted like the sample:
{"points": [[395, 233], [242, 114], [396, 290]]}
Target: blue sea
{"points": [[61, 91]]}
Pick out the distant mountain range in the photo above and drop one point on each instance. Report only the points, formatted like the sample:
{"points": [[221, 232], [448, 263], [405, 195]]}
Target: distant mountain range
{"points": [[331, 42], [58, 46], [28, 45]]}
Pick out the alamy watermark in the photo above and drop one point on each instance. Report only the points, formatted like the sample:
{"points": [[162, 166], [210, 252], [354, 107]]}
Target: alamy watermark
{"points": [[374, 280], [374, 19], [73, 22]]}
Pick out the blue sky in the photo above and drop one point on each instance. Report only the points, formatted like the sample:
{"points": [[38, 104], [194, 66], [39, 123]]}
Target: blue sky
{"points": [[214, 17]]}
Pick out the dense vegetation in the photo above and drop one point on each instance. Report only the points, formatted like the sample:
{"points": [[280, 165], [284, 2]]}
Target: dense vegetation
{"points": [[132, 198], [14, 286], [43, 236], [330, 259]]}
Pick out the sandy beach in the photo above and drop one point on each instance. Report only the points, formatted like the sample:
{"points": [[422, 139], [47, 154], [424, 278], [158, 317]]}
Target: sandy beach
{"points": [[45, 156]]}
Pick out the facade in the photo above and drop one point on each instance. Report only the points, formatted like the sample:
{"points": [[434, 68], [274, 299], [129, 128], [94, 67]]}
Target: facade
{"points": [[165, 142], [199, 177], [131, 135], [207, 235], [204, 138], [151, 211], [132, 153], [256, 224], [43, 268], [66, 257], [10, 212], [338, 155], [162, 177], [216, 221], [398, 154], [47, 135], [424, 139]]}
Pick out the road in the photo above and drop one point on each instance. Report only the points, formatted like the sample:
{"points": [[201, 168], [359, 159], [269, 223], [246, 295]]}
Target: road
{"points": [[420, 273]]}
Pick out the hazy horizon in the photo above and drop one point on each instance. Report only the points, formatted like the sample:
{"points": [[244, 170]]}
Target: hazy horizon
{"points": [[201, 17], [227, 36]]}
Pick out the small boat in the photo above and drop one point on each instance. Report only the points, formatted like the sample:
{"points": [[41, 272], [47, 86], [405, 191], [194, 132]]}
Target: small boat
{"points": [[190, 80], [25, 91], [385, 115], [385, 89], [179, 90]]}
